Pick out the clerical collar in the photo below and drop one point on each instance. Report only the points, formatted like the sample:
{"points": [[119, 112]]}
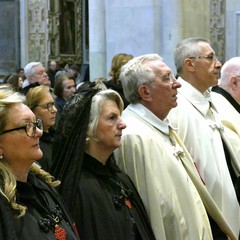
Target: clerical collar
{"points": [[148, 116]]}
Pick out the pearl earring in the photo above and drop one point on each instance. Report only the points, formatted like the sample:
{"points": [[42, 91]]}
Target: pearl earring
{"points": [[1, 157]]}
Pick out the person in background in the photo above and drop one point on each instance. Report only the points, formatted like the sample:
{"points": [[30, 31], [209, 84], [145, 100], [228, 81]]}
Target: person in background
{"points": [[226, 95], [102, 199], [64, 89], [36, 209], [51, 72], [20, 73], [229, 85], [153, 155], [41, 102], [15, 81], [74, 71], [35, 75], [64, 66], [199, 125], [115, 83]]}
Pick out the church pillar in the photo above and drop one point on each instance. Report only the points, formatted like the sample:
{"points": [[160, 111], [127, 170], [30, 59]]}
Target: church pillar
{"points": [[33, 31]]}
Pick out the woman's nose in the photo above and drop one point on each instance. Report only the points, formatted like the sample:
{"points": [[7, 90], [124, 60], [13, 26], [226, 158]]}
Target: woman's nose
{"points": [[39, 132], [54, 109]]}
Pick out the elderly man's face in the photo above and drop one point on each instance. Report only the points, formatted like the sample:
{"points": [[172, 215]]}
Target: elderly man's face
{"points": [[163, 93], [40, 76]]}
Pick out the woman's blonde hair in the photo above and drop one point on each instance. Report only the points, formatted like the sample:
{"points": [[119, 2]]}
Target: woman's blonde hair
{"points": [[35, 95], [8, 182], [117, 62]]}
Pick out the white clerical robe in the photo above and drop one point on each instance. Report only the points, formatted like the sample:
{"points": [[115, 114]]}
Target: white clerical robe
{"points": [[160, 172], [202, 132], [226, 111]]}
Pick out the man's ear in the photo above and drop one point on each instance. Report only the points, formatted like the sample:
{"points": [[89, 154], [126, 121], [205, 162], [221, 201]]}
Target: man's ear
{"points": [[233, 82], [145, 92], [189, 64]]}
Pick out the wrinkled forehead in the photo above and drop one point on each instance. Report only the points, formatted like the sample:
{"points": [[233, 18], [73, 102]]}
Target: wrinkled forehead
{"points": [[160, 67], [18, 112], [39, 68]]}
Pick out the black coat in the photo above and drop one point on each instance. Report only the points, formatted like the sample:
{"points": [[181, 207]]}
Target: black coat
{"points": [[104, 212], [25, 90], [40, 199], [7, 230]]}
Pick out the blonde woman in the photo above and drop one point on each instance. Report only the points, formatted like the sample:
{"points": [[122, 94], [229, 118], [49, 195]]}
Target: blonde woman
{"points": [[41, 102], [36, 210]]}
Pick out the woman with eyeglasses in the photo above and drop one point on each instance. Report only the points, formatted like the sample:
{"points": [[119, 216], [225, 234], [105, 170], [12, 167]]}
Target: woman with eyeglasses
{"points": [[34, 209], [41, 102]]}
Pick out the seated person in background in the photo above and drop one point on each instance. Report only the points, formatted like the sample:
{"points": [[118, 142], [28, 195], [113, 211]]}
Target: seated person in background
{"points": [[102, 199], [35, 75], [152, 154], [37, 211], [115, 83], [64, 89], [41, 102]]}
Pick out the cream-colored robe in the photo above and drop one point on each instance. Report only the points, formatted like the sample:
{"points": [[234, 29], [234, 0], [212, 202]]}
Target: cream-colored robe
{"points": [[229, 116], [202, 133], [160, 172]]}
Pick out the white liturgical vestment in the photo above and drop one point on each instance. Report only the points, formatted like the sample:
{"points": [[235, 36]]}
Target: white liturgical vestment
{"points": [[199, 126], [166, 178]]}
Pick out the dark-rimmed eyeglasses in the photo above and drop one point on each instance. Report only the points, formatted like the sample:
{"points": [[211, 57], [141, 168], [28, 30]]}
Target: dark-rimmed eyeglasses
{"points": [[49, 106], [210, 58], [30, 128]]}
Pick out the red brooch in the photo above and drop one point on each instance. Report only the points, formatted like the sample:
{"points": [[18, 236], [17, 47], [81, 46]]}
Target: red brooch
{"points": [[60, 233]]}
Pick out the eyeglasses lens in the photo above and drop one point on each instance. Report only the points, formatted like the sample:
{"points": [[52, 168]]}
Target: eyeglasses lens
{"points": [[31, 127]]}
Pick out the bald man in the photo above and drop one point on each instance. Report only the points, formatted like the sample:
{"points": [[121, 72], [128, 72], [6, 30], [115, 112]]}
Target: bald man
{"points": [[229, 85]]}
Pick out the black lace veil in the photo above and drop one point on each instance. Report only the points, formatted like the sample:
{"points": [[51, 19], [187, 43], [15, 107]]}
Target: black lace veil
{"points": [[70, 141]]}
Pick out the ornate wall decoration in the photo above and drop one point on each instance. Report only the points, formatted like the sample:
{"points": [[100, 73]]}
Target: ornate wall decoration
{"points": [[65, 31], [37, 38], [217, 27]]}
